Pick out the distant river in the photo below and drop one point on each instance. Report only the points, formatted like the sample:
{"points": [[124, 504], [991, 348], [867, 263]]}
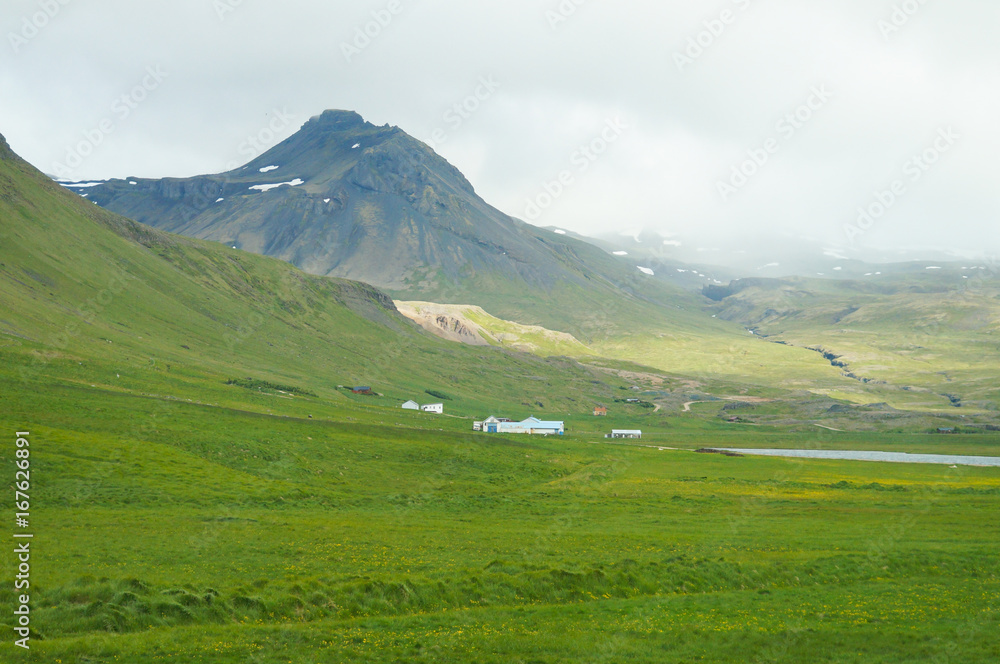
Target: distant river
{"points": [[894, 457]]}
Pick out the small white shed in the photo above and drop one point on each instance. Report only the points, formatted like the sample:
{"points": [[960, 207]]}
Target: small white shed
{"points": [[625, 433]]}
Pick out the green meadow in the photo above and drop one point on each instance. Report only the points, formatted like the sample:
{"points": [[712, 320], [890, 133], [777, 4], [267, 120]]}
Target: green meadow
{"points": [[168, 530], [205, 487]]}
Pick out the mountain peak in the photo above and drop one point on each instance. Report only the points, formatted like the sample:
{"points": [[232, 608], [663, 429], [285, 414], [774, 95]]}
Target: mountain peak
{"points": [[337, 120], [321, 148], [4, 148], [345, 197]]}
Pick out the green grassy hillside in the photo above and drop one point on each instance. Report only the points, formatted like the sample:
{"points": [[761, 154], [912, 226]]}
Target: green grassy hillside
{"points": [[927, 339], [181, 515], [374, 204], [99, 300]]}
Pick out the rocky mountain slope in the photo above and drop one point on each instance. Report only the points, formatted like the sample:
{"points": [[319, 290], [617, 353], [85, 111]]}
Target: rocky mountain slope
{"points": [[100, 302], [346, 198]]}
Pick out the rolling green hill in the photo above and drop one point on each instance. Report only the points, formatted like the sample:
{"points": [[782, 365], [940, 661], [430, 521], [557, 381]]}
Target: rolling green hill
{"points": [[928, 336], [374, 204], [101, 300], [203, 491]]}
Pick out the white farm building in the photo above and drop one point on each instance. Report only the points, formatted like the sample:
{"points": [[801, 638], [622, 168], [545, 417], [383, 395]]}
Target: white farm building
{"points": [[436, 408], [532, 425]]}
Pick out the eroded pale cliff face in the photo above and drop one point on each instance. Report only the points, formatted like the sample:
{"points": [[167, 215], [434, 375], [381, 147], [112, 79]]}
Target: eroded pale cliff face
{"points": [[472, 325], [448, 321]]}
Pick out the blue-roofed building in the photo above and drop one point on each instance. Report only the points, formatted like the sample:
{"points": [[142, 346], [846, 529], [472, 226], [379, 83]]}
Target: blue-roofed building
{"points": [[532, 425]]}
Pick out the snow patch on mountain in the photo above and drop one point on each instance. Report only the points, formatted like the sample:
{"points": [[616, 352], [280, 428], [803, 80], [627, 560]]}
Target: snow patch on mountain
{"points": [[268, 187]]}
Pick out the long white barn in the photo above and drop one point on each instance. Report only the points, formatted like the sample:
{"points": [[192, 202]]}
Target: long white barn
{"points": [[532, 425]]}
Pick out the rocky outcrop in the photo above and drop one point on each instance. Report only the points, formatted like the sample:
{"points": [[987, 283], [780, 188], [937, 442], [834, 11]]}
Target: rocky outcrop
{"points": [[445, 322]]}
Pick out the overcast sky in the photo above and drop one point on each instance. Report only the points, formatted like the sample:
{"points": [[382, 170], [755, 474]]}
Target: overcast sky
{"points": [[825, 107]]}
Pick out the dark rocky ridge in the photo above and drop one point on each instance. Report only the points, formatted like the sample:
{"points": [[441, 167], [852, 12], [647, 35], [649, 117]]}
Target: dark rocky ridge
{"points": [[374, 205]]}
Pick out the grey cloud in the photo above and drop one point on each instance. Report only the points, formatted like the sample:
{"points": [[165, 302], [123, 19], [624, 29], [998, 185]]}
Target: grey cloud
{"points": [[560, 81]]}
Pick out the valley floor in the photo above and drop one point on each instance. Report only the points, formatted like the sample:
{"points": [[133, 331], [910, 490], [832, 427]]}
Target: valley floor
{"points": [[173, 531]]}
